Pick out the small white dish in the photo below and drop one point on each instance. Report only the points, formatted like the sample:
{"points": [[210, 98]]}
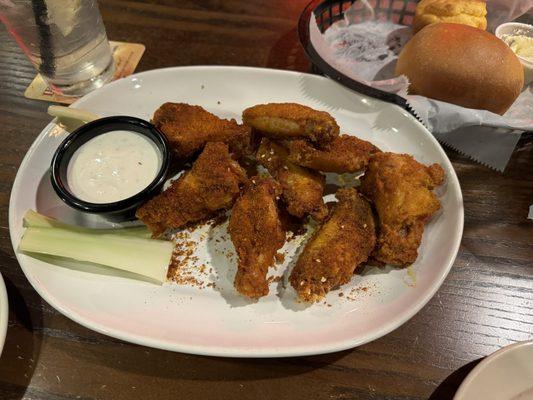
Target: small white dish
{"points": [[516, 28], [4, 313], [506, 374]]}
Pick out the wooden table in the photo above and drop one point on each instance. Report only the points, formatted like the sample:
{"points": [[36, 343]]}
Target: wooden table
{"points": [[485, 303]]}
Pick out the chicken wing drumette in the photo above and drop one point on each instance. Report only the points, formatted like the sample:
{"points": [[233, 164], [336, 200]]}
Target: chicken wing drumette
{"points": [[257, 233]]}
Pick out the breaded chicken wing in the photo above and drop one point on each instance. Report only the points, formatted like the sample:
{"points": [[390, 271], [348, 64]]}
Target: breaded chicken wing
{"points": [[188, 128], [212, 184], [343, 154], [400, 188], [257, 233], [336, 249], [291, 120], [302, 189]]}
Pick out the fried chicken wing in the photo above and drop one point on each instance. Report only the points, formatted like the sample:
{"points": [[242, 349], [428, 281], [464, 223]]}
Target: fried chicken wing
{"points": [[336, 249], [302, 189], [188, 128], [400, 188], [210, 185], [257, 233], [291, 120], [343, 154]]}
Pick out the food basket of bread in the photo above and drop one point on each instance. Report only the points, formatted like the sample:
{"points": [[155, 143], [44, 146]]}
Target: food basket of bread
{"points": [[453, 64]]}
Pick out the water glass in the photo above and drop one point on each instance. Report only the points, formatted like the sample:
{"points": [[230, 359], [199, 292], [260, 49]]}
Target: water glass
{"points": [[65, 40]]}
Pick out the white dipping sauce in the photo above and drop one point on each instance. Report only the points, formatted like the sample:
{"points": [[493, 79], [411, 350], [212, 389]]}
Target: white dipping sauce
{"points": [[113, 166]]}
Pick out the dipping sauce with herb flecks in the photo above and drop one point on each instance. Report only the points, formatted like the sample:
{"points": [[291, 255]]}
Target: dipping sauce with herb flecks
{"points": [[113, 166]]}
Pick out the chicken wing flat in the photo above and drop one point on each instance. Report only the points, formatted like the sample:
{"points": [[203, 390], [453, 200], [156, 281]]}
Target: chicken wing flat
{"points": [[336, 249], [211, 184], [291, 120], [302, 189], [343, 154], [400, 188], [256, 231], [188, 128]]}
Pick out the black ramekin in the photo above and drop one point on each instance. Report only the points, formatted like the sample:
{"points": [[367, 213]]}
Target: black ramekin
{"points": [[122, 210]]}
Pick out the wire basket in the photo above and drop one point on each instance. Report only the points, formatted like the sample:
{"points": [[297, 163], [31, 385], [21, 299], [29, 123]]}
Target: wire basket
{"points": [[327, 12], [397, 11]]}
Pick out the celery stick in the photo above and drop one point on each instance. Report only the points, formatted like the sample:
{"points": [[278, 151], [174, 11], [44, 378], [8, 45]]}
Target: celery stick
{"points": [[146, 257], [33, 219]]}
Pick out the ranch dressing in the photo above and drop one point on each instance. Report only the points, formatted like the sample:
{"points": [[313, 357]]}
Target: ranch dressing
{"points": [[113, 166]]}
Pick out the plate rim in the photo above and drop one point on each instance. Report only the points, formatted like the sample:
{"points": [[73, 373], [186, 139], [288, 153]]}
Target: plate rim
{"points": [[4, 313], [215, 350], [483, 364]]}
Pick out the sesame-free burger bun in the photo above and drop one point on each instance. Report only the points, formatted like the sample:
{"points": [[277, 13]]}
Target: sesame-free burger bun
{"points": [[462, 65]]}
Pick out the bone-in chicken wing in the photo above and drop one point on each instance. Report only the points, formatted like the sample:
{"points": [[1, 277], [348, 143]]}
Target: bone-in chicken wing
{"points": [[291, 120], [302, 189], [212, 184], [257, 233], [343, 154], [400, 188], [188, 128], [336, 249]]}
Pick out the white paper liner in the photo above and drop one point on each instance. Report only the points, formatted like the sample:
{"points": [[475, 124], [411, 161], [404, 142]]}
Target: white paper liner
{"points": [[367, 52]]}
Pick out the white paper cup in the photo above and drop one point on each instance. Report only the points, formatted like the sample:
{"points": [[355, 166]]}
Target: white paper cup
{"points": [[516, 28]]}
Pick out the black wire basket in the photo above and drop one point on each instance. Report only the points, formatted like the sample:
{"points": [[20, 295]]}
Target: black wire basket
{"points": [[327, 12]]}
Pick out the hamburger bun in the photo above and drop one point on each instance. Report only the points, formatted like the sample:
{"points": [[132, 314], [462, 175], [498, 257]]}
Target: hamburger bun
{"points": [[466, 12], [462, 65]]}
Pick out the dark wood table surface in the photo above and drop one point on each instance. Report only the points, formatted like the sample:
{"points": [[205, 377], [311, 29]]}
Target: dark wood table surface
{"points": [[485, 303]]}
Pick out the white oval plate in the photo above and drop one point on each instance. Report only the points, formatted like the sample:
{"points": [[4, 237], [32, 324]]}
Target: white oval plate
{"points": [[4, 313], [507, 374], [215, 321]]}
